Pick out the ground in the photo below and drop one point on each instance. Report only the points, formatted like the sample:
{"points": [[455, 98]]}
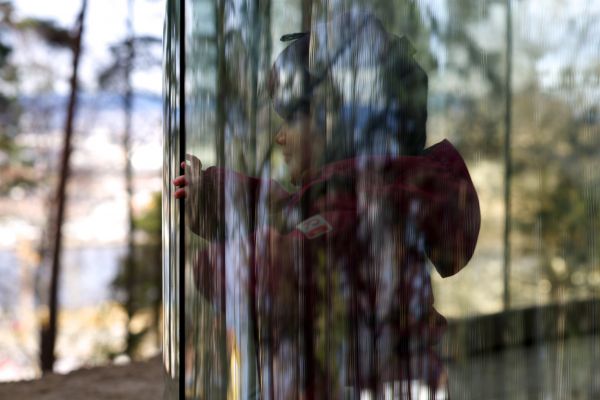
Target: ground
{"points": [[140, 380], [562, 369]]}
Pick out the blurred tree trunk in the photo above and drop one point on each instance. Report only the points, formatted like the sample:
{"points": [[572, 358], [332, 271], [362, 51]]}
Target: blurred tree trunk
{"points": [[133, 52], [128, 174], [49, 327]]}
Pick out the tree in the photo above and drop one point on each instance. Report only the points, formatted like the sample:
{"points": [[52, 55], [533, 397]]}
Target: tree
{"points": [[73, 41], [133, 53], [556, 218]]}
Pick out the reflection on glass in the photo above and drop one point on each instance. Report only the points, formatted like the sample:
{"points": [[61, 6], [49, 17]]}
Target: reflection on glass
{"points": [[323, 291], [326, 199]]}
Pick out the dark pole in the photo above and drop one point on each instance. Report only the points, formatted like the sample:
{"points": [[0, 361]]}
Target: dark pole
{"points": [[221, 121], [507, 155], [182, 141], [307, 304], [48, 330], [255, 367]]}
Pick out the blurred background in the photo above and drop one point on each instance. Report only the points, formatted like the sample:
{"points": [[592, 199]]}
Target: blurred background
{"points": [[108, 273], [516, 90]]}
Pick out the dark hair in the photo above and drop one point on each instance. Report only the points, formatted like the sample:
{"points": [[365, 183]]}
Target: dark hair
{"points": [[393, 121]]}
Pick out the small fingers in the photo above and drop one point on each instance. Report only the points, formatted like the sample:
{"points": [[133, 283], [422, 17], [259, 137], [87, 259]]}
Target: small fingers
{"points": [[180, 181], [180, 193]]}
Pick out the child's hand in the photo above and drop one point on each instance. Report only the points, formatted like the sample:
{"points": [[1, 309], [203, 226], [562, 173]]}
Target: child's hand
{"points": [[192, 176]]}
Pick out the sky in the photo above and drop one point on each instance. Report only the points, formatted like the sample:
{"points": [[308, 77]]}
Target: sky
{"points": [[105, 25]]}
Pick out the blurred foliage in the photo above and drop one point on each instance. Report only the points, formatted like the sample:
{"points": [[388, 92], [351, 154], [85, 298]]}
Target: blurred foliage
{"points": [[49, 31], [13, 172], [147, 264], [555, 154], [150, 222], [111, 76], [16, 171]]}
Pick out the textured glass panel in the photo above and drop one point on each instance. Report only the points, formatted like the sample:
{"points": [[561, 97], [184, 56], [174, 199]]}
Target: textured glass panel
{"points": [[555, 152], [388, 199], [171, 139]]}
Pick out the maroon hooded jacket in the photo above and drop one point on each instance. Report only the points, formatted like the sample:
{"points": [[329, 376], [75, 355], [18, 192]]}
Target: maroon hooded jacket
{"points": [[338, 280]]}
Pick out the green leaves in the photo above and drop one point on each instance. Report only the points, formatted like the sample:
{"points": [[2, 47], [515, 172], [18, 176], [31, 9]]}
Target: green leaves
{"points": [[52, 34]]}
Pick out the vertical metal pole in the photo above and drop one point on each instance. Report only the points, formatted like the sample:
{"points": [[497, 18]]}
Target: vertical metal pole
{"points": [[182, 140], [307, 345], [507, 155], [253, 348], [222, 95]]}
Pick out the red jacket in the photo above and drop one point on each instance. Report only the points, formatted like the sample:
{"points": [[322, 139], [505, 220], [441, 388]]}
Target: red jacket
{"points": [[337, 275]]}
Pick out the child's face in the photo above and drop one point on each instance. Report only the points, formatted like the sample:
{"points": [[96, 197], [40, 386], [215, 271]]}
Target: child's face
{"points": [[302, 147]]}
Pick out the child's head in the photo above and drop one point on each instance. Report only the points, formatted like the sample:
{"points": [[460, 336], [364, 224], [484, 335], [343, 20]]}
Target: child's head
{"points": [[302, 144], [348, 88], [301, 140]]}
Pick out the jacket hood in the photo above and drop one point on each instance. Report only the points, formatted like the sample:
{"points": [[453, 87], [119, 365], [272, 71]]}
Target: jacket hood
{"points": [[437, 181]]}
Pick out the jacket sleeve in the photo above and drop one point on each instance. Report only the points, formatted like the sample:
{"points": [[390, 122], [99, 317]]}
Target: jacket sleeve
{"points": [[451, 218], [203, 216]]}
